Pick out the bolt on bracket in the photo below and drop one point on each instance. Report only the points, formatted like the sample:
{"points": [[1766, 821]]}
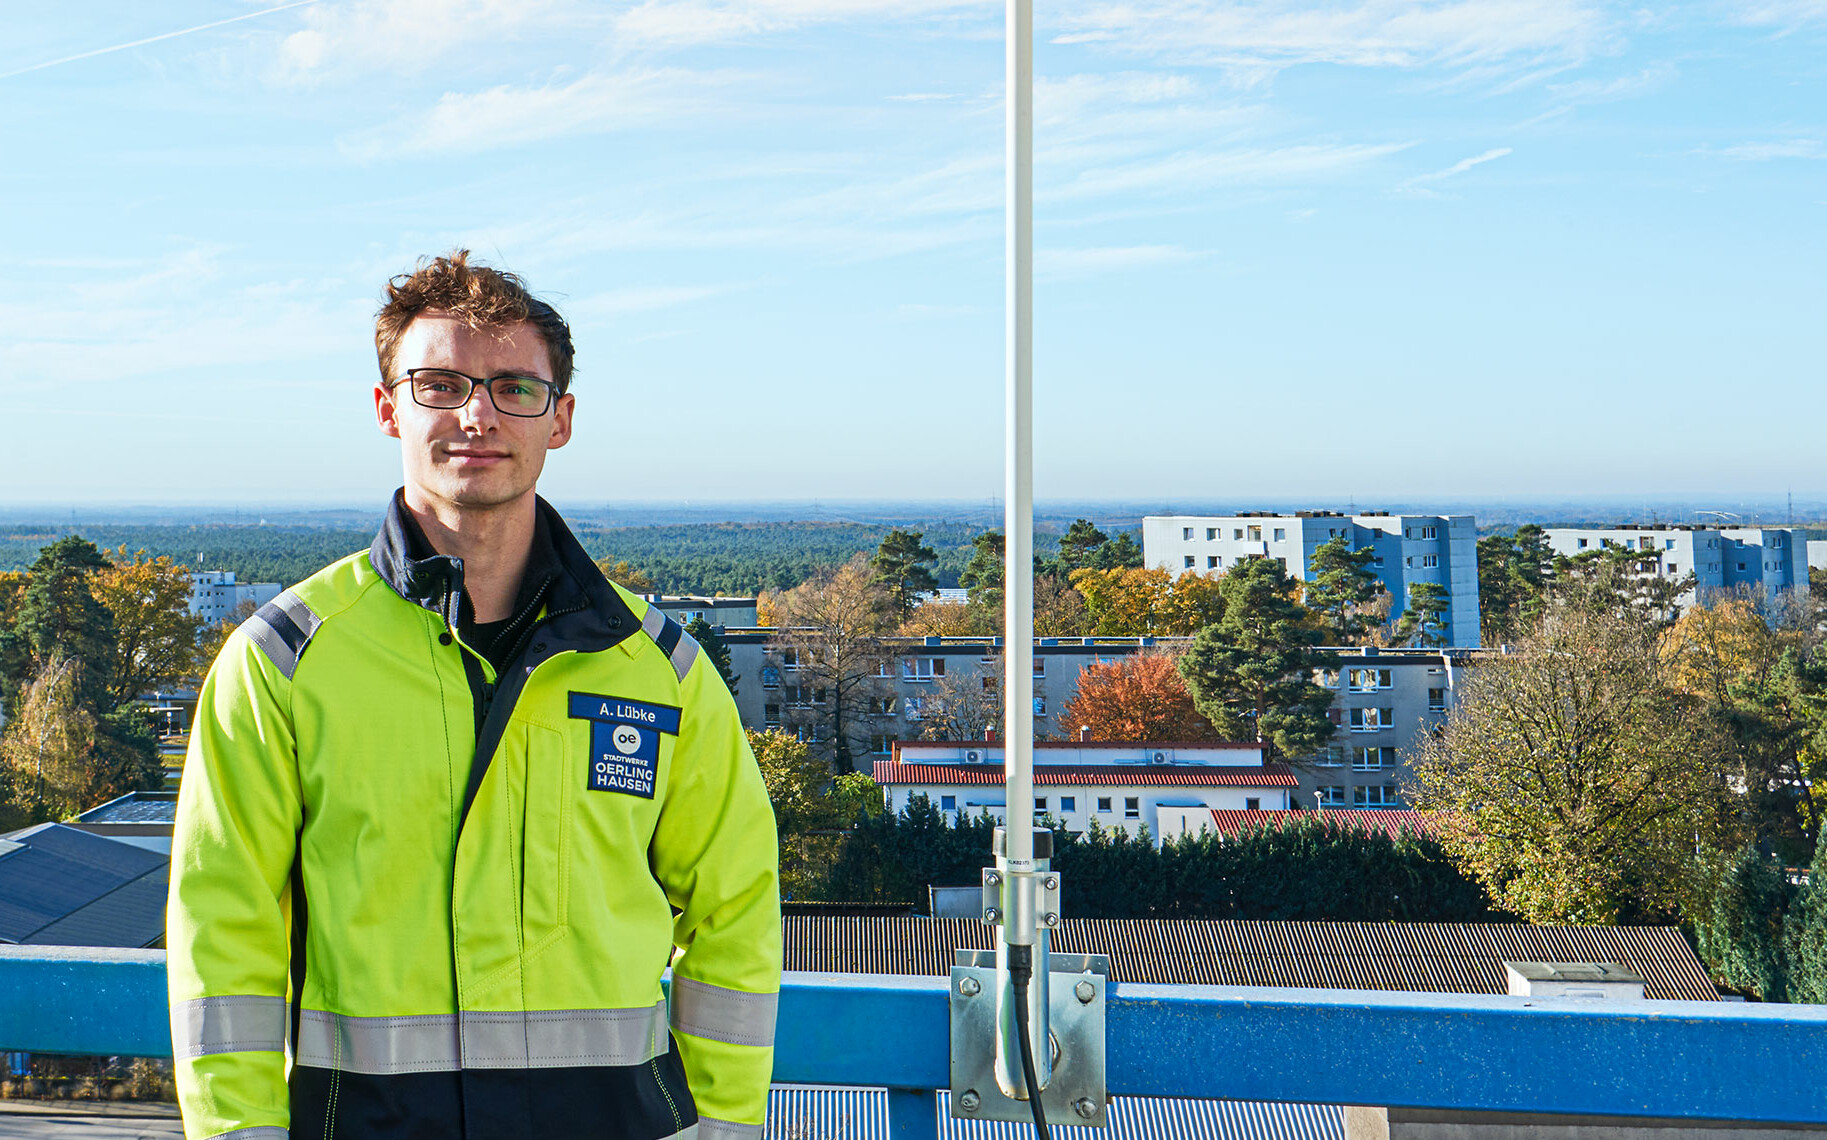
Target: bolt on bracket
{"points": [[1077, 1094]]}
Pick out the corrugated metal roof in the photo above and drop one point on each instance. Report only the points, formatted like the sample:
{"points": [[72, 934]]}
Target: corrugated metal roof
{"points": [[1390, 821], [805, 1112], [135, 807], [1093, 775], [1416, 956]]}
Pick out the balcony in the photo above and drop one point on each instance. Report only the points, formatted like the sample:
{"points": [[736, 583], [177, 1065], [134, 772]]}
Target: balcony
{"points": [[1697, 1061]]}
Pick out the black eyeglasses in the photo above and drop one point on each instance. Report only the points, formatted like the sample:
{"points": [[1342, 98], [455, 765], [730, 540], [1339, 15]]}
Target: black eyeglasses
{"points": [[445, 389]]}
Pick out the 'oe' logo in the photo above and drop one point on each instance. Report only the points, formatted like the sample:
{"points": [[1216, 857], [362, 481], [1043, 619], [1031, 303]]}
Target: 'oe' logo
{"points": [[627, 738]]}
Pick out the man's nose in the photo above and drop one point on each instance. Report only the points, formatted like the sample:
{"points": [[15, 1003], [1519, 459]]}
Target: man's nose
{"points": [[479, 413]]}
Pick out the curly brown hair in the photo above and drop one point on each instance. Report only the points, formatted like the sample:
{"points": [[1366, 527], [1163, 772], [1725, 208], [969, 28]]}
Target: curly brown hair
{"points": [[480, 296]]}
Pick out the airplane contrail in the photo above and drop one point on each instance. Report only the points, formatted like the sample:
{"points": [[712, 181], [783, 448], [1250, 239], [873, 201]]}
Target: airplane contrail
{"points": [[153, 39]]}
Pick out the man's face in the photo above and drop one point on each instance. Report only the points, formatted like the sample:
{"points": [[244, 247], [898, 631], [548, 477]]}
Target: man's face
{"points": [[473, 457]]}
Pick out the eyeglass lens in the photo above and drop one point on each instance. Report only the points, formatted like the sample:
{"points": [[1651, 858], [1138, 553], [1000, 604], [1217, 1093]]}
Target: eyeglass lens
{"points": [[514, 395]]}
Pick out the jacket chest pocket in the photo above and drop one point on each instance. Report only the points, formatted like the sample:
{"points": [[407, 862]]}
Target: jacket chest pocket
{"points": [[545, 826]]}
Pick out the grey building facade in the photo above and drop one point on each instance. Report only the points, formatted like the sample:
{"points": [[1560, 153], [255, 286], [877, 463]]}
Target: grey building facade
{"points": [[1768, 559], [1440, 549], [1385, 701]]}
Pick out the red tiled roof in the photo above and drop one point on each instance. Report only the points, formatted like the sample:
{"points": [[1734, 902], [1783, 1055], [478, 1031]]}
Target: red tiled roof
{"points": [[1390, 821], [1095, 775]]}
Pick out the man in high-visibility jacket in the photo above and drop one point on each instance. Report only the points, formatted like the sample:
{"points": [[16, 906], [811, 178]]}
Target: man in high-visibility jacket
{"points": [[453, 804]]}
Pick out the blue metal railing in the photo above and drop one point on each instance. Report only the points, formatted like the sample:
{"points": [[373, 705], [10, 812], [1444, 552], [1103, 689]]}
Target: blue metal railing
{"points": [[1696, 1060]]}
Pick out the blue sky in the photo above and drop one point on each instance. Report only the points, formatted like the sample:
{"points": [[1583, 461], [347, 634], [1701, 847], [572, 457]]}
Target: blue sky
{"points": [[1440, 248]]}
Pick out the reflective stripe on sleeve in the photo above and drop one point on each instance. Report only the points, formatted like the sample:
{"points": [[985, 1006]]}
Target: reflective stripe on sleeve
{"points": [[683, 654], [538, 1039], [282, 628], [709, 1129], [652, 622], [263, 1132], [238, 1023], [718, 1014]]}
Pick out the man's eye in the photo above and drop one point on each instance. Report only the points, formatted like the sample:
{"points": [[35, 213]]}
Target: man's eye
{"points": [[515, 388]]}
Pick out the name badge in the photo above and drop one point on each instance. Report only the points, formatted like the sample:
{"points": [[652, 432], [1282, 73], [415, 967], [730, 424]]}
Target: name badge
{"points": [[624, 741]]}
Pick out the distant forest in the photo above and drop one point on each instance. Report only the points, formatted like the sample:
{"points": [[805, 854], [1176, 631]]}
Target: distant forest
{"points": [[706, 558]]}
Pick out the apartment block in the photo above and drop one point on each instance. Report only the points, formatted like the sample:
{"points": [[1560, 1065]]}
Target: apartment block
{"points": [[1770, 559], [215, 595], [1385, 703], [1440, 549]]}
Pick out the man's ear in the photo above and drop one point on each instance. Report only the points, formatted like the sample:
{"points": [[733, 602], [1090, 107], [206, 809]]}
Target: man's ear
{"points": [[386, 412], [561, 421]]}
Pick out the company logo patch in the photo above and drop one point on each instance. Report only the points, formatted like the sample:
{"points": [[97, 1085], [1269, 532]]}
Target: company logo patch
{"points": [[624, 741]]}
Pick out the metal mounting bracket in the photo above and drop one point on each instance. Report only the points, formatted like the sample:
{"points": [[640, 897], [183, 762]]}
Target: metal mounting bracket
{"points": [[1077, 1094]]}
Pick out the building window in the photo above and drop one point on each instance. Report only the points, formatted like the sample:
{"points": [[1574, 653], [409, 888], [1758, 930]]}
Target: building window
{"points": [[1332, 757], [922, 668], [881, 706], [770, 677], [1430, 560], [1281, 534], [1668, 544], [1040, 803], [1186, 532], [1040, 706], [770, 716], [1068, 803], [1212, 562], [1187, 562], [1372, 759], [1040, 666], [1674, 567], [1237, 532], [1370, 680], [1255, 534], [1331, 795], [803, 696], [948, 803], [913, 708], [789, 658], [1132, 807], [1582, 543], [1436, 700], [1375, 797], [1211, 534], [881, 745], [1371, 720], [1103, 803], [1252, 803], [1430, 532], [1741, 567], [1327, 678]]}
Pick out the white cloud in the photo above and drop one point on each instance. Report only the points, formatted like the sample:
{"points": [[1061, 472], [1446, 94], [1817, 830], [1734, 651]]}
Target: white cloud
{"points": [[511, 116], [683, 22], [1417, 186], [1783, 14], [1076, 264], [1255, 38], [412, 36], [1189, 171], [641, 299], [1764, 151], [1650, 79]]}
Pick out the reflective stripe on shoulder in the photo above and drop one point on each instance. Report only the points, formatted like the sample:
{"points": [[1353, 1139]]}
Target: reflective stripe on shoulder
{"points": [[239, 1023], [672, 639], [263, 1132], [446, 1042], [282, 628], [719, 1014], [711, 1129]]}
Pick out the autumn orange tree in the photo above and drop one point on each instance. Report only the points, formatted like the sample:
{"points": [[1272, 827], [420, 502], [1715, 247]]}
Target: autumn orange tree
{"points": [[1137, 698], [156, 637]]}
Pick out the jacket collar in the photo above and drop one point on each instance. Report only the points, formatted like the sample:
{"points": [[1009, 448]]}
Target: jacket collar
{"points": [[406, 561]]}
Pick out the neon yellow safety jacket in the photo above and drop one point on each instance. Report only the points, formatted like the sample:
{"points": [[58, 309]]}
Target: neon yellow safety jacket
{"points": [[451, 893]]}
